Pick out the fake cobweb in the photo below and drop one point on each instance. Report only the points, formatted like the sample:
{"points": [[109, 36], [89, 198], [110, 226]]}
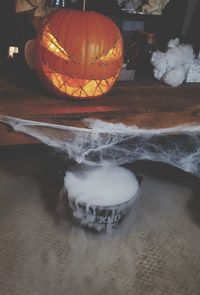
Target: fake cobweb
{"points": [[100, 142]]}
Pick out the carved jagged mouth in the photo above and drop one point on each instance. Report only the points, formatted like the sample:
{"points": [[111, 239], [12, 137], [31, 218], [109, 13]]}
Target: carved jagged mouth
{"points": [[75, 87]]}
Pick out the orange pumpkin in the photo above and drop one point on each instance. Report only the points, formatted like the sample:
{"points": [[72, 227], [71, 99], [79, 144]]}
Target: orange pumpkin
{"points": [[78, 53]]}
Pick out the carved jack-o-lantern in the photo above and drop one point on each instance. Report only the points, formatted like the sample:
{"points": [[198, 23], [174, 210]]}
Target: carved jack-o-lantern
{"points": [[78, 53]]}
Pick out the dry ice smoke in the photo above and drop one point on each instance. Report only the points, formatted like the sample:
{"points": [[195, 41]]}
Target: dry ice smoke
{"points": [[101, 186], [99, 142], [100, 197]]}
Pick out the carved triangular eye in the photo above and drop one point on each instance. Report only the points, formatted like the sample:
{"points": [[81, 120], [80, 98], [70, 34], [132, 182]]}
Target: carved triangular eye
{"points": [[52, 44], [113, 53]]}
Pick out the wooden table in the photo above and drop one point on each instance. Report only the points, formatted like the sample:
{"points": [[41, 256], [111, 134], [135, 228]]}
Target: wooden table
{"points": [[147, 104]]}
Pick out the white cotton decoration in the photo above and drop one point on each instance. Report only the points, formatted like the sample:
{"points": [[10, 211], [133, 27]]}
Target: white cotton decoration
{"points": [[187, 56], [171, 67], [175, 77], [160, 63], [174, 58], [173, 43]]}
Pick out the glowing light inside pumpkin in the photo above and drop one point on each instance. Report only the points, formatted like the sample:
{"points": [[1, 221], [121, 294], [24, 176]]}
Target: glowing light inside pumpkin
{"points": [[113, 54], [78, 87], [75, 86], [50, 42]]}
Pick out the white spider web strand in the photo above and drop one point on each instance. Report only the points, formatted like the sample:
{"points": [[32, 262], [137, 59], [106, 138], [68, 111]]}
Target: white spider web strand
{"points": [[118, 144]]}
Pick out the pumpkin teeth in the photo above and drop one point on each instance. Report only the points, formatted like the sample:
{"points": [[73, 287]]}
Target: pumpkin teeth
{"points": [[78, 87], [51, 43]]}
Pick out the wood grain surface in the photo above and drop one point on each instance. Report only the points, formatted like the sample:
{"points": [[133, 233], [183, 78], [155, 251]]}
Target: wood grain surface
{"points": [[148, 104]]}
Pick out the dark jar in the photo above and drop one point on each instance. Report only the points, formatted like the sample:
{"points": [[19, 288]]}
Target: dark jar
{"points": [[144, 68]]}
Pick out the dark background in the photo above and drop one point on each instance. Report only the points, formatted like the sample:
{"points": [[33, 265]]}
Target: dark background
{"points": [[16, 29]]}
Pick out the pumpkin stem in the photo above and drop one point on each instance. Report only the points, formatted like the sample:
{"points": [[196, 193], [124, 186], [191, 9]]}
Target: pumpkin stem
{"points": [[84, 3]]}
